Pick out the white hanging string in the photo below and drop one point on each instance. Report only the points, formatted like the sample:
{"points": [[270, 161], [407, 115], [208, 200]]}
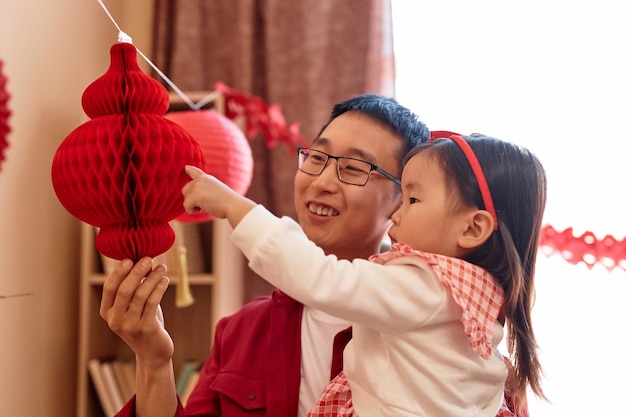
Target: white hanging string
{"points": [[123, 37]]}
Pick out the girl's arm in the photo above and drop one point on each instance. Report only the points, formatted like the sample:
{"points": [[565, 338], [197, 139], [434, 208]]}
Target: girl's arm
{"points": [[386, 297], [389, 298], [205, 192]]}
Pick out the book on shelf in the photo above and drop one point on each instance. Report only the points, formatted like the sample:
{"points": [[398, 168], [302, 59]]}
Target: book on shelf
{"points": [[115, 382], [187, 379], [131, 376], [187, 368], [97, 376], [112, 386], [124, 372], [189, 386]]}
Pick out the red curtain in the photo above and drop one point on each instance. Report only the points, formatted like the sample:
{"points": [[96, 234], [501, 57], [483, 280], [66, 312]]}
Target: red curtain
{"points": [[304, 55]]}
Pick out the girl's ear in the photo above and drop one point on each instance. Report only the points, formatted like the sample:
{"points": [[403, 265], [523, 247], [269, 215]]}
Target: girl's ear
{"points": [[479, 227]]}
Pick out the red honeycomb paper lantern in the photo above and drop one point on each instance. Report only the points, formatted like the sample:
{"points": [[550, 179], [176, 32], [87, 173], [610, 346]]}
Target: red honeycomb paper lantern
{"points": [[123, 170], [225, 148], [4, 115]]}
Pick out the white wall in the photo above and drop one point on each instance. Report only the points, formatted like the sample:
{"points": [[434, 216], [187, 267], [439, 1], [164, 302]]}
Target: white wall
{"points": [[51, 51]]}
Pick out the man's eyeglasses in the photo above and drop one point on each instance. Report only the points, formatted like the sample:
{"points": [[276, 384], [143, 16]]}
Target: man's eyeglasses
{"points": [[349, 170]]}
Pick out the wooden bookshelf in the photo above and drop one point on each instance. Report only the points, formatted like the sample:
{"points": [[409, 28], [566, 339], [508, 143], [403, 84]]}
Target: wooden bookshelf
{"points": [[217, 291]]}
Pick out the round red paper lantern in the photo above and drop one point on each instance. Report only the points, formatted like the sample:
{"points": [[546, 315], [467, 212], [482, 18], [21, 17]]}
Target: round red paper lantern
{"points": [[5, 113], [226, 150], [123, 170]]}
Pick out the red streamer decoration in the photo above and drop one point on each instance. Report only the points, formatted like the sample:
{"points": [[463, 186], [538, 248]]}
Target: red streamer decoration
{"points": [[586, 248], [260, 118], [123, 170], [5, 113]]}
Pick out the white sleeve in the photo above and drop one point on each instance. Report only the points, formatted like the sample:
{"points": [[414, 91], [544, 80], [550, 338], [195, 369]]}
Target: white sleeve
{"points": [[389, 298]]}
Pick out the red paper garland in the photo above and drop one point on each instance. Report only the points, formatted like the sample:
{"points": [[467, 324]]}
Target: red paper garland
{"points": [[586, 248], [5, 113], [259, 117]]}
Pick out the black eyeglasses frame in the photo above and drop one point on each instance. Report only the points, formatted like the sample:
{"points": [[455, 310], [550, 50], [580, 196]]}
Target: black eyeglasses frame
{"points": [[373, 167]]}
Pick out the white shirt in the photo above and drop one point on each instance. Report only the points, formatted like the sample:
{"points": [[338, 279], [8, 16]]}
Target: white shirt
{"points": [[318, 332]]}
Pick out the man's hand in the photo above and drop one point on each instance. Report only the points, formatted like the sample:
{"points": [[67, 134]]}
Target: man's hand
{"points": [[130, 305]]}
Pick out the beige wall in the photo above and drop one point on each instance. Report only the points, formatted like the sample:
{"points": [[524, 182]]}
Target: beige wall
{"points": [[51, 51]]}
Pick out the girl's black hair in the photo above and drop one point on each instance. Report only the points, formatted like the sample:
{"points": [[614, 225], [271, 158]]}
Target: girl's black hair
{"points": [[517, 183]]}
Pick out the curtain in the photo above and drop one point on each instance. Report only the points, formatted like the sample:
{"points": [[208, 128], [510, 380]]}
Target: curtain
{"points": [[304, 55]]}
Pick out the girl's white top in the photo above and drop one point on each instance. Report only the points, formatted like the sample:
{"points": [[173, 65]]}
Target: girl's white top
{"points": [[425, 327]]}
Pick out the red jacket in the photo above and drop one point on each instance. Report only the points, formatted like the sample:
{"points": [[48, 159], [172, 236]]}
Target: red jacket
{"points": [[254, 365]]}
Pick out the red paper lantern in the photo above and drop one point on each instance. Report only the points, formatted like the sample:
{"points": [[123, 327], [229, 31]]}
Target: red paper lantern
{"points": [[4, 116], [123, 170], [226, 150]]}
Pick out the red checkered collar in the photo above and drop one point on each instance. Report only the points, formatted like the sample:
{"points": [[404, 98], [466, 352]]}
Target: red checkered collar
{"points": [[474, 289]]}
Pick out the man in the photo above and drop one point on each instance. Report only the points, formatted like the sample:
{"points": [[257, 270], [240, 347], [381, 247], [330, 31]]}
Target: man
{"points": [[274, 356]]}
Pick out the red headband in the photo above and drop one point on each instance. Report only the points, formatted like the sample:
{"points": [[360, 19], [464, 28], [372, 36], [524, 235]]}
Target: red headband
{"points": [[476, 168]]}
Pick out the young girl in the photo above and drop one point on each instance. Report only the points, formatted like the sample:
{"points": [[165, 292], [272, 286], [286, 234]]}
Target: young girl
{"points": [[428, 315]]}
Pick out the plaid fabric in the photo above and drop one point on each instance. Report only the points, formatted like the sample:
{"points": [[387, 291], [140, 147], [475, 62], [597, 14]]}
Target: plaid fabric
{"points": [[336, 401], [474, 289], [504, 411], [517, 407]]}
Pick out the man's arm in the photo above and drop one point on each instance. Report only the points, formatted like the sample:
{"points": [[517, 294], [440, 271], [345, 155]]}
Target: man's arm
{"points": [[130, 305]]}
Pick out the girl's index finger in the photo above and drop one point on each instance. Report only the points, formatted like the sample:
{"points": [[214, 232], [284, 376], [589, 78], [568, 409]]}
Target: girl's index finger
{"points": [[193, 171]]}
